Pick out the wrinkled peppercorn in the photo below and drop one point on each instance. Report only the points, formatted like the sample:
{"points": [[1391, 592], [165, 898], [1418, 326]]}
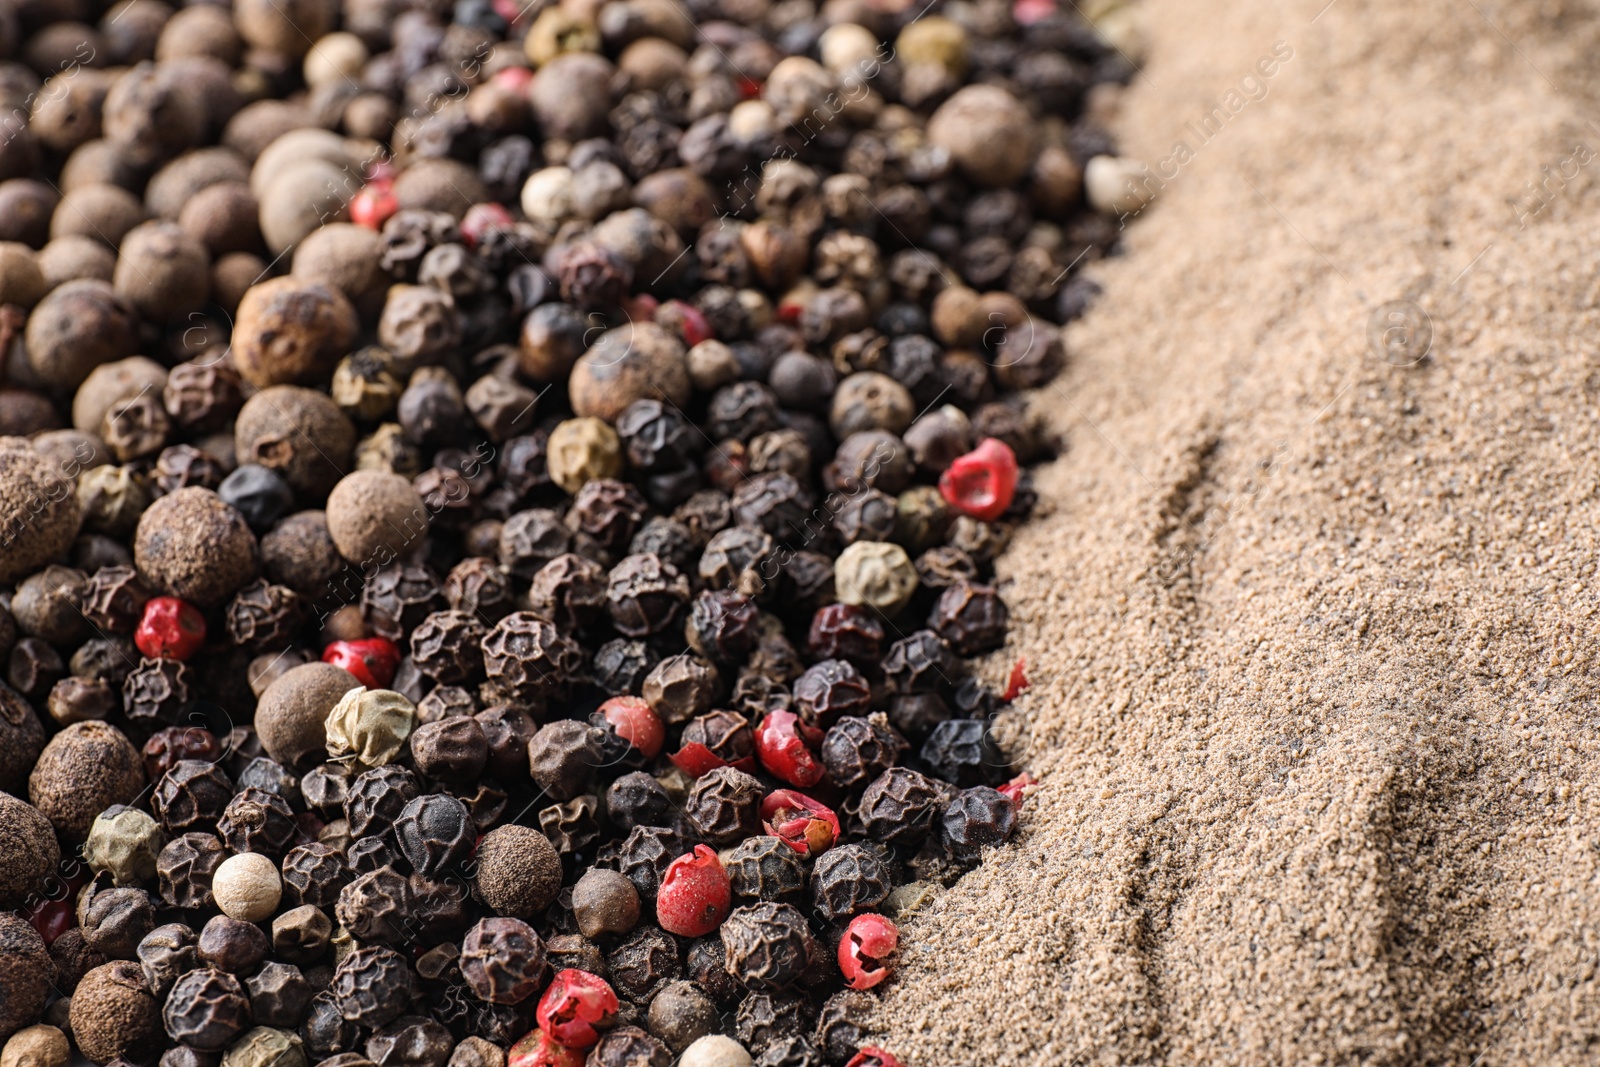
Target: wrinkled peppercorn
{"points": [[976, 818], [503, 960], [257, 821], [643, 962], [376, 798], [829, 690], [899, 806], [848, 879], [768, 945], [435, 833], [570, 591], [191, 796], [206, 1010], [645, 595], [375, 907], [232, 945], [765, 868], [920, 663], [373, 985], [526, 657], [185, 867], [724, 805]]}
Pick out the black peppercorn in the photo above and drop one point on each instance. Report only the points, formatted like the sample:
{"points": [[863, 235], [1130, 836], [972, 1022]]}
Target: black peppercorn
{"points": [[976, 818], [899, 806], [435, 833], [184, 869], [724, 805], [570, 591], [191, 796], [768, 945], [791, 1050], [452, 749], [373, 985], [279, 994], [628, 1046], [725, 734], [257, 821], [326, 1031], [260, 494], [377, 797], [165, 954], [645, 854], [830, 690], [857, 750], [447, 647], [844, 1024], [643, 962], [206, 1010], [157, 691], [963, 751], [606, 513], [503, 960], [920, 663], [848, 879], [479, 587], [765, 868], [681, 687], [722, 625], [636, 799], [574, 826], [527, 658], [410, 1041], [645, 595], [764, 1018], [376, 907], [971, 618], [564, 756]]}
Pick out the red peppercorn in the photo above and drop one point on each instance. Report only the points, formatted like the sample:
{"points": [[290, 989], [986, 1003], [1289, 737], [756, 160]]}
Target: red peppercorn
{"points": [[637, 723], [695, 759], [1018, 680], [52, 918], [872, 1056], [572, 1008], [171, 629], [867, 950], [536, 1049], [784, 753], [982, 482], [695, 895], [514, 78], [372, 660], [1027, 12], [805, 825], [693, 326], [481, 219], [641, 307], [514, 12], [1016, 789], [749, 88], [373, 204]]}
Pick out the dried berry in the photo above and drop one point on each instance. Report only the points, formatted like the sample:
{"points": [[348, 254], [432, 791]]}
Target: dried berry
{"points": [[768, 945], [191, 797], [375, 907], [257, 821], [899, 806], [644, 962], [206, 1010], [765, 868], [435, 833], [372, 985], [977, 818], [724, 805], [526, 657]]}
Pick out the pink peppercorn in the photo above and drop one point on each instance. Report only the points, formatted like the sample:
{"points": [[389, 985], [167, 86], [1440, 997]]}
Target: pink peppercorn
{"points": [[784, 753], [872, 1056], [574, 1006], [170, 629], [867, 951], [696, 894], [982, 482], [537, 1049], [373, 204], [637, 723], [805, 825], [481, 219], [373, 660]]}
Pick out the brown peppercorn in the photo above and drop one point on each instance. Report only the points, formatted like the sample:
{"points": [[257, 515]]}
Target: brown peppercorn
{"points": [[290, 331], [45, 605], [843, 1025], [706, 965], [375, 907], [724, 805], [563, 757], [681, 1013], [301, 934], [410, 1041], [519, 871], [605, 904], [191, 545], [223, 218], [28, 845], [162, 273], [202, 395], [113, 1014], [768, 945], [869, 400], [37, 1046], [291, 713], [629, 1046], [257, 821], [645, 595], [185, 868], [629, 363], [451, 750], [25, 974], [84, 769], [99, 210], [988, 133], [502, 959], [418, 325], [232, 944]]}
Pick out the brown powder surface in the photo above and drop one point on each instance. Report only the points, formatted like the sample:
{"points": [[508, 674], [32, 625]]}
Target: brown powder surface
{"points": [[1312, 635]]}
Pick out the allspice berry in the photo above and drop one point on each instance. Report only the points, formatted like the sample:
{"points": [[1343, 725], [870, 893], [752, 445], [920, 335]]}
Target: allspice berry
{"points": [[85, 769], [292, 330], [988, 133], [193, 546], [114, 1015], [375, 517], [37, 1046], [39, 513], [368, 728], [519, 871], [638, 361], [25, 974], [291, 712], [21, 279], [247, 887], [74, 329], [298, 432], [162, 272], [347, 257], [28, 851], [582, 450]]}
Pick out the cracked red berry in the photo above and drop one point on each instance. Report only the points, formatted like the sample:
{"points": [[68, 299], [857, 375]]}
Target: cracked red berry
{"points": [[170, 629], [982, 482], [872, 1056], [1018, 680], [783, 751], [572, 1012], [481, 219], [635, 722], [538, 1050], [696, 894], [805, 825], [867, 951], [372, 660], [1016, 789]]}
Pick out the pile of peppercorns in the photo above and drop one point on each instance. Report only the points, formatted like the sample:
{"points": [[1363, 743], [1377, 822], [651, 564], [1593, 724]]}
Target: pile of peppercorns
{"points": [[496, 501]]}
